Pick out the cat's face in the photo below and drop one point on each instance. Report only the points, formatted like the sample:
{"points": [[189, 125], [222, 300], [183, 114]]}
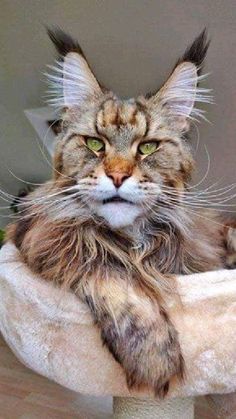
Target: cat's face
{"points": [[124, 157]]}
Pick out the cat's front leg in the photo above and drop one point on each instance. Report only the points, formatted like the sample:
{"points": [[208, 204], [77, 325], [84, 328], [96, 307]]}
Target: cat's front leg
{"points": [[138, 332]]}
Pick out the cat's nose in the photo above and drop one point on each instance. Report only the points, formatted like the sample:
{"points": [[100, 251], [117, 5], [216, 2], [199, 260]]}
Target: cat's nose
{"points": [[118, 177]]}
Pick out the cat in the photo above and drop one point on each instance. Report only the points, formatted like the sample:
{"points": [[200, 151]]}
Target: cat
{"points": [[117, 221]]}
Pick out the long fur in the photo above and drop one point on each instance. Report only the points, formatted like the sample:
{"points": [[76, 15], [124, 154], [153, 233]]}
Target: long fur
{"points": [[125, 275], [126, 287]]}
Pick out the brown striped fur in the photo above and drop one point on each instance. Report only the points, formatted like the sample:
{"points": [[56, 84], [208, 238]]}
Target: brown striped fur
{"points": [[124, 273]]}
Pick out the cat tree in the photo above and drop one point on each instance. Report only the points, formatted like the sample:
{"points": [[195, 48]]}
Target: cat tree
{"points": [[52, 332]]}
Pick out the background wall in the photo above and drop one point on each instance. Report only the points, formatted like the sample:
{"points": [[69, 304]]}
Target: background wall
{"points": [[132, 45]]}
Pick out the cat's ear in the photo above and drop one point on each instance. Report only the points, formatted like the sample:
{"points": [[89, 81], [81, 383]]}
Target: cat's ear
{"points": [[73, 82], [181, 92]]}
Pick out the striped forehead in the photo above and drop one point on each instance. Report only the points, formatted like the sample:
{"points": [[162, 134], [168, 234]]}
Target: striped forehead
{"points": [[121, 121]]}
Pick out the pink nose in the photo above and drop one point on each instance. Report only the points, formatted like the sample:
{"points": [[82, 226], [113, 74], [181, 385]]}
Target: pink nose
{"points": [[118, 178]]}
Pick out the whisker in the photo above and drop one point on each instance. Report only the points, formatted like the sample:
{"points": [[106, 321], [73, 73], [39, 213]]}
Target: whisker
{"points": [[34, 200], [201, 195], [47, 205], [26, 182], [191, 211], [207, 170]]}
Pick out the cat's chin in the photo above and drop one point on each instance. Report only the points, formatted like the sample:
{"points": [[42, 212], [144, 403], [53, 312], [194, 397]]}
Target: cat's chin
{"points": [[119, 214]]}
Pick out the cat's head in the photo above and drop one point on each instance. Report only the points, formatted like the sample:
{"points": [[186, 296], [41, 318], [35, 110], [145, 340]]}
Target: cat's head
{"points": [[128, 159]]}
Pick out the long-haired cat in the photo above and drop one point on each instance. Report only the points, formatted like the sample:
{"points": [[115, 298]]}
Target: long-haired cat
{"points": [[115, 223]]}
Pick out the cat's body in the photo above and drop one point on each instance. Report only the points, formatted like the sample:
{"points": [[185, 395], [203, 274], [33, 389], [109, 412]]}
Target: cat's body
{"points": [[118, 221]]}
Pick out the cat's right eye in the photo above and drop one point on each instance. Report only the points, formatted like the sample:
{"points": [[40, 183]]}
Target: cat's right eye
{"points": [[95, 144], [148, 147]]}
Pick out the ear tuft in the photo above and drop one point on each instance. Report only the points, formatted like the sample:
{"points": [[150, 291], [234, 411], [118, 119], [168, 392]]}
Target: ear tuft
{"points": [[72, 81], [197, 51], [63, 42], [181, 92]]}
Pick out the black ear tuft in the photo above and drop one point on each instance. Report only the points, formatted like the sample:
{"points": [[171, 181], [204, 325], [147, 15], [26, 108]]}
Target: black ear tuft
{"points": [[196, 52], [63, 42]]}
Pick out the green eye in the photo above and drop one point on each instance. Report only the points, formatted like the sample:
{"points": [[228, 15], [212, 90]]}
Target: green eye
{"points": [[148, 148], [95, 144]]}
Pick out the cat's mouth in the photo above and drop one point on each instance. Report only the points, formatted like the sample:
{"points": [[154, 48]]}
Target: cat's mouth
{"points": [[116, 199]]}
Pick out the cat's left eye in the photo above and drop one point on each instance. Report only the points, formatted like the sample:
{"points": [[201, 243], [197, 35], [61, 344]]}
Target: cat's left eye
{"points": [[148, 148], [95, 144]]}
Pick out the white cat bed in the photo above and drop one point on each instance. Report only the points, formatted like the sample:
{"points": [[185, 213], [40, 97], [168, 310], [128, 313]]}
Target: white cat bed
{"points": [[52, 332]]}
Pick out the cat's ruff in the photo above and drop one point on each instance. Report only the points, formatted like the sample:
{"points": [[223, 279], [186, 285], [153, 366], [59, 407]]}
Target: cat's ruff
{"points": [[52, 332]]}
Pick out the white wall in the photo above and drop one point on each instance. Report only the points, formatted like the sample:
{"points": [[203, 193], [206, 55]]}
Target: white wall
{"points": [[132, 45]]}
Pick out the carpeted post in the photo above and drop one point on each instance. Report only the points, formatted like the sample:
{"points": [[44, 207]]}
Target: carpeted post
{"points": [[132, 408]]}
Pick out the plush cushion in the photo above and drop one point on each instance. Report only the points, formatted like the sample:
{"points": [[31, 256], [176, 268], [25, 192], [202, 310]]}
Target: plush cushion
{"points": [[52, 332]]}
